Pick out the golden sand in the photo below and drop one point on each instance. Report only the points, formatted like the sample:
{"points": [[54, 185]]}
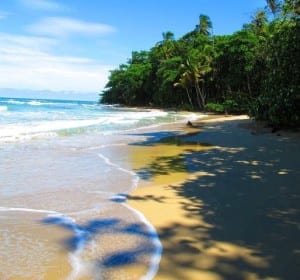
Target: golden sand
{"points": [[223, 197], [214, 220]]}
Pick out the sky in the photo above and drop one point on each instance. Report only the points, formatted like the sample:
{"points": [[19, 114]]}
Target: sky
{"points": [[71, 45]]}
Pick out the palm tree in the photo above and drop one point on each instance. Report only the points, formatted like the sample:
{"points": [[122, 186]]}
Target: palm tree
{"points": [[185, 82], [259, 22], [204, 26], [273, 5], [196, 73], [167, 44], [196, 67], [292, 7], [168, 36]]}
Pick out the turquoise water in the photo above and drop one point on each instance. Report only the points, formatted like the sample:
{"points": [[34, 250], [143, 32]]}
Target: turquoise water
{"points": [[65, 166], [25, 119]]}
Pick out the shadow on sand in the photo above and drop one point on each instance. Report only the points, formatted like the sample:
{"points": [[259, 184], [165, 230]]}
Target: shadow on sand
{"points": [[250, 205], [82, 234]]}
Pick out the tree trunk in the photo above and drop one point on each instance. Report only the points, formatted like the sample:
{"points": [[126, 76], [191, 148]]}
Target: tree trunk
{"points": [[200, 96], [248, 85], [189, 97]]}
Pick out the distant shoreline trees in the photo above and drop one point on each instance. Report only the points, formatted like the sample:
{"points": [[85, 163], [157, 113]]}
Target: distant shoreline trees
{"points": [[255, 70]]}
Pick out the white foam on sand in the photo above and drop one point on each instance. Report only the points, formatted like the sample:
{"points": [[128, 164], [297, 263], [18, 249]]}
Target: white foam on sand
{"points": [[42, 211], [68, 222], [157, 252], [133, 174], [156, 255]]}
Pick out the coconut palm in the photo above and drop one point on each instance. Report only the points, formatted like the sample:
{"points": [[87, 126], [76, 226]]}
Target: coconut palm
{"points": [[167, 44], [273, 5], [196, 67], [292, 7], [168, 36], [204, 26], [259, 22], [185, 82]]}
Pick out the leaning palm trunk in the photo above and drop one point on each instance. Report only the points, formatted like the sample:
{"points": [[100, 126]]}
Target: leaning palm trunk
{"points": [[201, 98], [184, 82], [189, 97], [249, 85]]}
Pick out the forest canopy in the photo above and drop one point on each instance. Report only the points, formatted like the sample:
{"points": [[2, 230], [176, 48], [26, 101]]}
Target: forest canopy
{"points": [[254, 70]]}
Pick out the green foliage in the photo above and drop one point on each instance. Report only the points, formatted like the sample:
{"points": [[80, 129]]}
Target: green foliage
{"points": [[129, 85], [255, 70], [279, 101], [231, 106], [228, 107], [215, 107], [205, 25]]}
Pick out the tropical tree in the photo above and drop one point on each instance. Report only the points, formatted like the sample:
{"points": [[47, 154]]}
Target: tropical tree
{"points": [[130, 84], [196, 67], [279, 101], [185, 82], [256, 67], [168, 36], [166, 75], [259, 22], [273, 5], [167, 45], [204, 26], [292, 7]]}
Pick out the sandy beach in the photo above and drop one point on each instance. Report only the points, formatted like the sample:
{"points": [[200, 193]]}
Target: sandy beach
{"points": [[224, 197]]}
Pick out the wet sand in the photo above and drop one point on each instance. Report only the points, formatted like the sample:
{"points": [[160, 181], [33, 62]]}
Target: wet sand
{"points": [[224, 197], [59, 218]]}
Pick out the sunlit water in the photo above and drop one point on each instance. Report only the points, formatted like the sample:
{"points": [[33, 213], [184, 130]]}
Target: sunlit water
{"points": [[65, 171]]}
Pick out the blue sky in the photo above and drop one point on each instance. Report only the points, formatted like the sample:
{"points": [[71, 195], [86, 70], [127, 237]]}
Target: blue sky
{"points": [[71, 45]]}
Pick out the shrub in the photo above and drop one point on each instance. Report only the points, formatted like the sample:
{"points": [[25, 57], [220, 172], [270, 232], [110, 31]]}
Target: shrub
{"points": [[215, 107]]}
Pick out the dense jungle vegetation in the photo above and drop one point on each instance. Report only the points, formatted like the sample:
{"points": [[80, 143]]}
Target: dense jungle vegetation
{"points": [[255, 70]]}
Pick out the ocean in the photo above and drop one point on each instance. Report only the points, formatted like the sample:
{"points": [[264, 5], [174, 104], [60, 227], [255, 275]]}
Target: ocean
{"points": [[65, 173]]}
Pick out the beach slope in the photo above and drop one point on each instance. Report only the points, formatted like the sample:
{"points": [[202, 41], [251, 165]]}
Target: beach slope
{"points": [[224, 196]]}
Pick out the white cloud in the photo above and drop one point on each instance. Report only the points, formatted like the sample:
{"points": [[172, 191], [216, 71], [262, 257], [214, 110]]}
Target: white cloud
{"points": [[30, 42], [3, 14], [64, 26], [26, 63], [48, 5]]}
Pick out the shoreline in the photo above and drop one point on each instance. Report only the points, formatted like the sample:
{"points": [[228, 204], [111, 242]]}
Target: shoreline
{"points": [[223, 197], [182, 171]]}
